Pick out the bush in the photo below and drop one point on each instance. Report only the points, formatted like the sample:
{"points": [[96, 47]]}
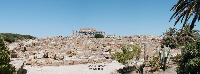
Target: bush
{"points": [[128, 52], [5, 67], [189, 62], [170, 42], [99, 36], [154, 64], [174, 38]]}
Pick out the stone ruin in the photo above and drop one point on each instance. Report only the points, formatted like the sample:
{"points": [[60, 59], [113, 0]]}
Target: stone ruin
{"points": [[77, 50], [86, 32]]}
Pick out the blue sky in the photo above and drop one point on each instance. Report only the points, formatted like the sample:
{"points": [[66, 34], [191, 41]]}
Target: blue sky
{"points": [[44, 18]]}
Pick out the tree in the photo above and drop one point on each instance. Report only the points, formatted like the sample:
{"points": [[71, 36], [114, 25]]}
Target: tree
{"points": [[99, 36], [174, 38], [190, 60], [184, 10], [185, 31], [5, 67]]}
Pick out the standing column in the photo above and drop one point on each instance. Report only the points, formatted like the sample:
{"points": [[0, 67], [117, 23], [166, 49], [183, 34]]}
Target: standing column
{"points": [[76, 34], [79, 33], [72, 33]]}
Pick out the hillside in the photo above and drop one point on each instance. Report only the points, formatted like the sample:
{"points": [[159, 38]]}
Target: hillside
{"points": [[65, 51], [10, 37]]}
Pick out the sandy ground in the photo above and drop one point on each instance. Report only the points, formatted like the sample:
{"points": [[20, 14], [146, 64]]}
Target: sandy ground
{"points": [[108, 68]]}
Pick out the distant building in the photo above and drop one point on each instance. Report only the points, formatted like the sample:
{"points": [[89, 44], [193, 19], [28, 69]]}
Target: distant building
{"points": [[87, 31]]}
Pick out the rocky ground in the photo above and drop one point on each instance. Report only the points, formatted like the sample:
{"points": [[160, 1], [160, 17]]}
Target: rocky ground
{"points": [[65, 51]]}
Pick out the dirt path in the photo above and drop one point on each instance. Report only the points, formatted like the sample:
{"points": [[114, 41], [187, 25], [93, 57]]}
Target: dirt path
{"points": [[105, 68]]}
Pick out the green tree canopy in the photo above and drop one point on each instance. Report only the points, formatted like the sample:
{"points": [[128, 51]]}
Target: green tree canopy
{"points": [[99, 36], [5, 67]]}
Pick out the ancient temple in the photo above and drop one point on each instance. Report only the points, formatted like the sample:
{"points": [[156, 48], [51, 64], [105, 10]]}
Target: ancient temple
{"points": [[87, 31]]}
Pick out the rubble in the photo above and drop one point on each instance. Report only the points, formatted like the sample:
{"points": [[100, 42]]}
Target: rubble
{"points": [[78, 50]]}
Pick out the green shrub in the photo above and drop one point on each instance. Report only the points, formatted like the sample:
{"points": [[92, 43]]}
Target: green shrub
{"points": [[128, 52], [154, 64], [5, 67], [99, 36], [189, 62], [9, 37]]}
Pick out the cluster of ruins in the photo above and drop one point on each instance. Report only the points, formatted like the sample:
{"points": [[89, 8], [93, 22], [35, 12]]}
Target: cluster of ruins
{"points": [[76, 50], [86, 32], [79, 49]]}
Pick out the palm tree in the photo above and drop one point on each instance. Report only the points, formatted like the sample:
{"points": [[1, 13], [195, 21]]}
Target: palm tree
{"points": [[186, 31], [184, 10]]}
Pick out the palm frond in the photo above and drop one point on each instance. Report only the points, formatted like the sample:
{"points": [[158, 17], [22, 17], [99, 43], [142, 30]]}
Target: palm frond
{"points": [[184, 10]]}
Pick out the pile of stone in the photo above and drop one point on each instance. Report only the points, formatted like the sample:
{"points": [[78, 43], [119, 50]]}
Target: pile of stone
{"points": [[77, 50]]}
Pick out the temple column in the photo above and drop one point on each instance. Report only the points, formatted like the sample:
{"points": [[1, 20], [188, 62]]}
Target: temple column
{"points": [[72, 33]]}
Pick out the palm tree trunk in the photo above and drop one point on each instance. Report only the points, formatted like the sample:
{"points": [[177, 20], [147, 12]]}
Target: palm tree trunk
{"points": [[193, 21]]}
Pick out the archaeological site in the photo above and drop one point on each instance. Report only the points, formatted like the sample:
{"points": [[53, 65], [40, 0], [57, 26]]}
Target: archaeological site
{"points": [[82, 48], [99, 37]]}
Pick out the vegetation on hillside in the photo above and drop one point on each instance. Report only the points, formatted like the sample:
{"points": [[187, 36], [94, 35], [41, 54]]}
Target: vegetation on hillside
{"points": [[99, 36], [9, 37], [5, 67]]}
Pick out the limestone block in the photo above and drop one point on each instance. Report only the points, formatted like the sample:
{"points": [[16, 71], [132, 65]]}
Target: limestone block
{"points": [[58, 57], [40, 56]]}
